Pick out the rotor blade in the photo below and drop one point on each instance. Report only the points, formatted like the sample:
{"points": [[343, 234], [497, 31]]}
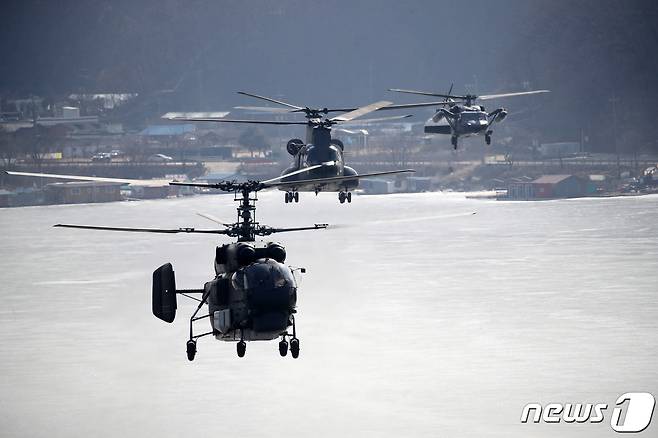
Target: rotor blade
{"points": [[269, 99], [213, 219], [270, 109], [361, 111], [522, 93], [206, 115], [341, 110], [257, 122], [322, 181], [143, 230], [135, 182], [193, 184], [265, 109], [378, 119], [403, 220], [285, 230], [416, 105], [296, 172], [425, 93]]}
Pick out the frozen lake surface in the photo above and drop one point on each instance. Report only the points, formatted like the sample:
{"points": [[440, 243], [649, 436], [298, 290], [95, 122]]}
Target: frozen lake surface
{"points": [[416, 318]]}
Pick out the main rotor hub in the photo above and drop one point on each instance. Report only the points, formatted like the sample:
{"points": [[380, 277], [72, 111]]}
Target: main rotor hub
{"points": [[469, 99]]}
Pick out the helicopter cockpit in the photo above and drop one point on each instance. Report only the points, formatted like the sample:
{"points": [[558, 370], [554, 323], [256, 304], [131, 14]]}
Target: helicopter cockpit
{"points": [[267, 284], [473, 118], [316, 155]]}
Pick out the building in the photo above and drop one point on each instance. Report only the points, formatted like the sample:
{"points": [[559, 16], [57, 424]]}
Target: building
{"points": [[376, 186], [168, 130], [151, 192], [558, 186], [520, 191], [81, 192], [6, 198], [547, 187], [418, 184]]}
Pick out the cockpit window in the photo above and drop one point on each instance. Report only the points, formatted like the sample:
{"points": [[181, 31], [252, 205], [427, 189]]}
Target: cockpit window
{"points": [[317, 155], [264, 275], [473, 116], [239, 280]]}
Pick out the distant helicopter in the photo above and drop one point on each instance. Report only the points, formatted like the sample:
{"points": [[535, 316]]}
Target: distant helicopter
{"points": [[319, 163], [253, 296], [464, 119]]}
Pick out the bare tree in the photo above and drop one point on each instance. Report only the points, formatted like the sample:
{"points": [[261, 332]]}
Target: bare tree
{"points": [[8, 148], [38, 141], [254, 140]]}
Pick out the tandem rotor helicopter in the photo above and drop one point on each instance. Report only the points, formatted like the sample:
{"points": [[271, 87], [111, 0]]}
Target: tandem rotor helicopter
{"points": [[253, 295], [319, 162], [463, 118]]}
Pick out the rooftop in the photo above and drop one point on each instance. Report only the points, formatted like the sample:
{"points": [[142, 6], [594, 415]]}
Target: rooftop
{"points": [[551, 179], [161, 130]]}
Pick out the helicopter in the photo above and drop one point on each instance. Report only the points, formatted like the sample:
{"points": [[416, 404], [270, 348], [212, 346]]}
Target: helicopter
{"points": [[253, 296], [319, 162], [464, 118]]}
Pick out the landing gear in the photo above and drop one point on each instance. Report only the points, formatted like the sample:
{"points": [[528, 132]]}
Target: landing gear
{"points": [[345, 196], [191, 350], [191, 344], [283, 347], [294, 348], [292, 197], [294, 342], [453, 140], [487, 137], [241, 348]]}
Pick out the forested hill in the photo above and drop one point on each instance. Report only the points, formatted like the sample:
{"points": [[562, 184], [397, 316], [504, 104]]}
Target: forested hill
{"points": [[332, 52]]}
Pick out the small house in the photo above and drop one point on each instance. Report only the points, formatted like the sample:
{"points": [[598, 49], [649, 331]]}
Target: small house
{"points": [[81, 192]]}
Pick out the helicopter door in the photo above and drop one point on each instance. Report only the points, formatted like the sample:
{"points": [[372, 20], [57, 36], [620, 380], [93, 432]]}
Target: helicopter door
{"points": [[222, 320]]}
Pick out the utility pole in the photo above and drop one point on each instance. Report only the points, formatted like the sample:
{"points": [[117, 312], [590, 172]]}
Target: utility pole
{"points": [[614, 101]]}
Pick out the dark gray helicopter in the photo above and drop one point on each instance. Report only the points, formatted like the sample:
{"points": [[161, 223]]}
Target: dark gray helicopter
{"points": [[253, 296], [319, 163], [463, 118]]}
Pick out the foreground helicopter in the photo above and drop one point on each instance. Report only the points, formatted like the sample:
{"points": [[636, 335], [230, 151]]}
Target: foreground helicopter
{"points": [[253, 296], [319, 163], [463, 118]]}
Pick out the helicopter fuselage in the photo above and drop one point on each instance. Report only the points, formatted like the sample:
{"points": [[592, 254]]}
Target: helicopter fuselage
{"points": [[324, 158], [464, 121], [254, 294]]}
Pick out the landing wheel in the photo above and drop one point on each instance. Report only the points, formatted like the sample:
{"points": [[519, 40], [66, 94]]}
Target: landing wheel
{"points": [[453, 140], [342, 197], [487, 139], [283, 348], [287, 197], [349, 197], [242, 348], [191, 350], [296, 194], [294, 348]]}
